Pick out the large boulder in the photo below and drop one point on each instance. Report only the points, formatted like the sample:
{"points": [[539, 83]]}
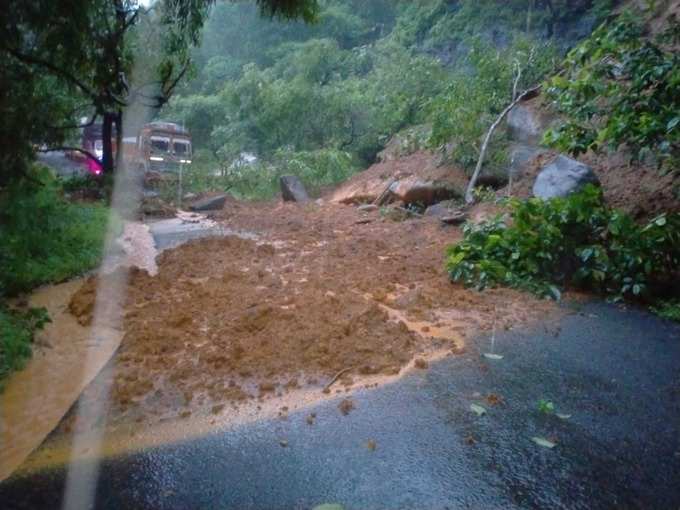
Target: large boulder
{"points": [[442, 209], [526, 124], [562, 177], [292, 189], [417, 178], [413, 190]]}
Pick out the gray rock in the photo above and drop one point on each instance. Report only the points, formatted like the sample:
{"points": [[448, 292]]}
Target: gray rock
{"points": [[441, 209], [292, 189], [520, 156], [209, 204], [456, 218], [562, 177], [526, 125]]}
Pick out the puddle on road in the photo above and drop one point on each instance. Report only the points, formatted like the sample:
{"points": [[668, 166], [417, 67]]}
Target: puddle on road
{"points": [[186, 226]]}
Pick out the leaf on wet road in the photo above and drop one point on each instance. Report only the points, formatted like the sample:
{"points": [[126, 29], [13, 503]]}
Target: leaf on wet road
{"points": [[562, 416], [477, 409], [541, 441], [490, 355]]}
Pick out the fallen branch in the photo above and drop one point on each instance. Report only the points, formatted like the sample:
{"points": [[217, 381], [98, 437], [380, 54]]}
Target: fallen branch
{"points": [[335, 378], [381, 198], [469, 197]]}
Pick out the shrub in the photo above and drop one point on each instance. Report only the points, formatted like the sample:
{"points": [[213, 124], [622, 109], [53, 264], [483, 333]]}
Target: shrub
{"points": [[43, 238], [259, 181], [17, 329], [668, 309], [576, 240], [620, 87]]}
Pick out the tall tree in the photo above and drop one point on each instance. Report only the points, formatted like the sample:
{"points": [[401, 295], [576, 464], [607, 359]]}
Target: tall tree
{"points": [[84, 47]]}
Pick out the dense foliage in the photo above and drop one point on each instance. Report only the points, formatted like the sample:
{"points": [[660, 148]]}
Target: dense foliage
{"points": [[17, 329], [462, 114], [364, 72], [620, 88], [577, 240], [44, 238]]}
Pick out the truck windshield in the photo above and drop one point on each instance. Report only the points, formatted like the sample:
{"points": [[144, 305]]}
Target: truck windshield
{"points": [[160, 144], [181, 147]]}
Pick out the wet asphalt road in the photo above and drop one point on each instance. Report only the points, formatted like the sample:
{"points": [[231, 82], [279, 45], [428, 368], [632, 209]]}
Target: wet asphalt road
{"points": [[616, 372]]}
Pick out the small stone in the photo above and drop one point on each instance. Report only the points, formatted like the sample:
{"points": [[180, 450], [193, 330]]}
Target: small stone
{"points": [[371, 445], [346, 406], [421, 364], [283, 443]]}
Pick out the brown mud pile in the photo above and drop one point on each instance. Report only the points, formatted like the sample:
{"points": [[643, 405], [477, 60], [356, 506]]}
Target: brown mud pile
{"points": [[228, 320]]}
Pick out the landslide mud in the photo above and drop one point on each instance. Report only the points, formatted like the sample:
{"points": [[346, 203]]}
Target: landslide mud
{"points": [[233, 323]]}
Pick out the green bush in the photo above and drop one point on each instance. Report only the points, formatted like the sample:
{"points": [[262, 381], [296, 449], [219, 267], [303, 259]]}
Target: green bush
{"points": [[44, 238], [576, 240], [260, 181], [620, 87], [668, 309], [17, 329]]}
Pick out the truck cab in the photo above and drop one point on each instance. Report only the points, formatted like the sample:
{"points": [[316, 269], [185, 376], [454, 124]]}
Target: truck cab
{"points": [[162, 147]]}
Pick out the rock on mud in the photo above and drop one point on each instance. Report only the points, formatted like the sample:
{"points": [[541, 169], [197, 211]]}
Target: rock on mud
{"points": [[292, 189], [563, 177], [209, 204], [419, 177]]}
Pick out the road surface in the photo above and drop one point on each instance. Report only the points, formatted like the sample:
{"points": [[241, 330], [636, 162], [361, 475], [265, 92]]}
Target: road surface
{"points": [[616, 372]]}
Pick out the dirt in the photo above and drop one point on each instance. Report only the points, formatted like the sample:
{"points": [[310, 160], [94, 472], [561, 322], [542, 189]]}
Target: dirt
{"points": [[346, 406], [229, 321], [637, 189]]}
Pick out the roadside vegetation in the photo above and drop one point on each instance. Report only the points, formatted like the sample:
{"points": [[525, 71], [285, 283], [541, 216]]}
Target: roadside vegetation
{"points": [[617, 90], [44, 238], [17, 329], [544, 246]]}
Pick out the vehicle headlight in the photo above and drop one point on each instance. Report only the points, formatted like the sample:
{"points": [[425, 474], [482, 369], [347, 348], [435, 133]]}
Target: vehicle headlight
{"points": [[187, 161], [155, 158]]}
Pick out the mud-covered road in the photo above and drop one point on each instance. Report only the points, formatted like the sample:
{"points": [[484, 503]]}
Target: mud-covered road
{"points": [[417, 444], [317, 353]]}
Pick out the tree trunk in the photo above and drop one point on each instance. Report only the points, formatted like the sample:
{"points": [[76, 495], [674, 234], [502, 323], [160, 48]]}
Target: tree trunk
{"points": [[118, 123], [107, 146]]}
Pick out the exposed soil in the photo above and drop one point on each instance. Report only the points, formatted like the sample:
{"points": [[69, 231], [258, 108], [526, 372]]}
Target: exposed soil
{"points": [[366, 186], [231, 320], [640, 190]]}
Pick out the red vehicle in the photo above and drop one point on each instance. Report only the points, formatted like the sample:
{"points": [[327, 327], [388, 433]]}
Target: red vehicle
{"points": [[91, 141]]}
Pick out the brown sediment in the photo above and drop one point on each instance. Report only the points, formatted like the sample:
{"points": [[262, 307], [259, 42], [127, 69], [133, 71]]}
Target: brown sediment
{"points": [[238, 323]]}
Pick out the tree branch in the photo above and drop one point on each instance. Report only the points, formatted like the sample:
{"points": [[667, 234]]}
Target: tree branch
{"points": [[469, 197], [75, 126], [28, 59]]}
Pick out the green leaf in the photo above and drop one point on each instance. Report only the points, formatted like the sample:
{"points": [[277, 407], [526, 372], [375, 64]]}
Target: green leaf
{"points": [[541, 441], [477, 409]]}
